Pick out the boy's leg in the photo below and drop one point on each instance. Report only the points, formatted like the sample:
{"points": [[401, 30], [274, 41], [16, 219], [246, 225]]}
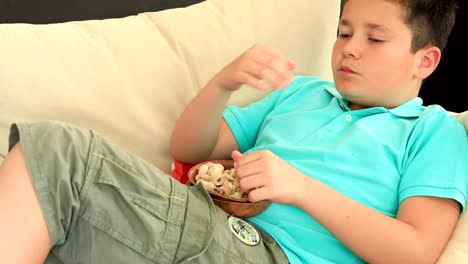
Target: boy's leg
{"points": [[23, 230], [100, 203], [104, 205]]}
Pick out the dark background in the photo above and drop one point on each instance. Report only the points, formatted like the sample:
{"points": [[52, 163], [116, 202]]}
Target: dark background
{"points": [[55, 11], [445, 86]]}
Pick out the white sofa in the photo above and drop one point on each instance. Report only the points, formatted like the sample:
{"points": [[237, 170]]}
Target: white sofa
{"points": [[129, 78]]}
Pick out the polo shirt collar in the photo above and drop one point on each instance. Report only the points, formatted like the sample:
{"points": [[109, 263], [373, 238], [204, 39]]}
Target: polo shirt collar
{"points": [[411, 108]]}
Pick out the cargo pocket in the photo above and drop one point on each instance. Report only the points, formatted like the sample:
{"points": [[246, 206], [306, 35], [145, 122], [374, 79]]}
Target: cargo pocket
{"points": [[137, 205]]}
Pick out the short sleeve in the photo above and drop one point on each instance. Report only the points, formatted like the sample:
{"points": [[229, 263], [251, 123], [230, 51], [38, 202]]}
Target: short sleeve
{"points": [[245, 122], [436, 160]]}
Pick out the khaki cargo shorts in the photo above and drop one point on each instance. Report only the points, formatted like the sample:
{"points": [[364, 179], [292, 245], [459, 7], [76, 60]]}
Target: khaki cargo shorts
{"points": [[105, 205]]}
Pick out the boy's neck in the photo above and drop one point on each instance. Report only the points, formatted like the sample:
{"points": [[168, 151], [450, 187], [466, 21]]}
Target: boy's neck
{"points": [[413, 93], [353, 106]]}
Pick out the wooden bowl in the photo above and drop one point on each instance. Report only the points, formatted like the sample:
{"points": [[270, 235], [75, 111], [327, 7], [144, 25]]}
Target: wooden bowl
{"points": [[237, 207], [242, 209]]}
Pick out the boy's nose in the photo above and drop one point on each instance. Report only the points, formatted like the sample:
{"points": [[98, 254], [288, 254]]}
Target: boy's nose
{"points": [[351, 48]]}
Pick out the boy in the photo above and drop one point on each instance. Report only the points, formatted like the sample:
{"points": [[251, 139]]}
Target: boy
{"points": [[356, 180]]}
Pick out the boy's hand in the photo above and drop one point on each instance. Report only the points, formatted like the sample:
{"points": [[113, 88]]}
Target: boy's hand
{"points": [[265, 176], [260, 67]]}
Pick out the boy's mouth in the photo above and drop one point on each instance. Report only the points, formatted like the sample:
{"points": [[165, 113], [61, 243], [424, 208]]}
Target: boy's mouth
{"points": [[346, 69]]}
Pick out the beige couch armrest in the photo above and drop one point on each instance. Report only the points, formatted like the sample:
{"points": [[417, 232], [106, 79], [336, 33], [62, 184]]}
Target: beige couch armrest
{"points": [[457, 248], [463, 118]]}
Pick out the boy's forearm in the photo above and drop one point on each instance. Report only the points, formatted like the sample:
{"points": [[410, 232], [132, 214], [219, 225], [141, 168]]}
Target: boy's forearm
{"points": [[196, 130], [373, 236]]}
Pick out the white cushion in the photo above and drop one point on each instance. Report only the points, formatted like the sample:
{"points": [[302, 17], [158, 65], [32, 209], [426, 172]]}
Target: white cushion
{"points": [[130, 78]]}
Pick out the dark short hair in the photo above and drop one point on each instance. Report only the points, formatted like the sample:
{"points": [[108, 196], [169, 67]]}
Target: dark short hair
{"points": [[430, 21]]}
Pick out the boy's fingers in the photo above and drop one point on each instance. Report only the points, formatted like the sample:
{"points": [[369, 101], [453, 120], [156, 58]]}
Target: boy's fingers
{"points": [[270, 66], [271, 58], [286, 83], [249, 181], [254, 82], [274, 77], [271, 77], [291, 65], [261, 77], [281, 72], [258, 194], [236, 155], [281, 65]]}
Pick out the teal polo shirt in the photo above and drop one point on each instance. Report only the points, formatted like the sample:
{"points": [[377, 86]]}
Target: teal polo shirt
{"points": [[375, 156]]}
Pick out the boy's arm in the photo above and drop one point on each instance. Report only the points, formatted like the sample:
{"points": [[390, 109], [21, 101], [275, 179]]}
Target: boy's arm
{"points": [[418, 235], [200, 132]]}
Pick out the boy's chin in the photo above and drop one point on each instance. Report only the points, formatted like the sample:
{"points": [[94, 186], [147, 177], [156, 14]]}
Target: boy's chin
{"points": [[345, 88], [356, 99], [345, 82]]}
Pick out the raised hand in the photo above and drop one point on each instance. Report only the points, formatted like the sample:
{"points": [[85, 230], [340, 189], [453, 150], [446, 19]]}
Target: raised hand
{"points": [[260, 67]]}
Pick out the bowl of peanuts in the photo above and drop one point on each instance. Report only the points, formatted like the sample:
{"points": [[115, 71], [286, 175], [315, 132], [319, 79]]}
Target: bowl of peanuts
{"points": [[218, 177]]}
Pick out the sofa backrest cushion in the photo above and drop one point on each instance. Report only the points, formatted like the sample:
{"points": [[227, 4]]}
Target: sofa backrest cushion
{"points": [[129, 78]]}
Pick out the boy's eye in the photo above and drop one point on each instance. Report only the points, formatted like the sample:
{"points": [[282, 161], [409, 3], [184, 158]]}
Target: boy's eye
{"points": [[375, 40], [344, 35]]}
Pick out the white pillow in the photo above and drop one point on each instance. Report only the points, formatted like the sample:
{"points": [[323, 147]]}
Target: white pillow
{"points": [[129, 78]]}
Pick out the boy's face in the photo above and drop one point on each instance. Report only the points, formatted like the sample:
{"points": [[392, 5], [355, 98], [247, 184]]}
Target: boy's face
{"points": [[372, 60]]}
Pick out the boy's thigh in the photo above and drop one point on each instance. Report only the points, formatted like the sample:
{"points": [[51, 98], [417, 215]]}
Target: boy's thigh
{"points": [[129, 211], [137, 214]]}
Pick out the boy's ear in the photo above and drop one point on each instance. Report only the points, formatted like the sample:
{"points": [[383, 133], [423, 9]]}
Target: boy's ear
{"points": [[429, 58]]}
